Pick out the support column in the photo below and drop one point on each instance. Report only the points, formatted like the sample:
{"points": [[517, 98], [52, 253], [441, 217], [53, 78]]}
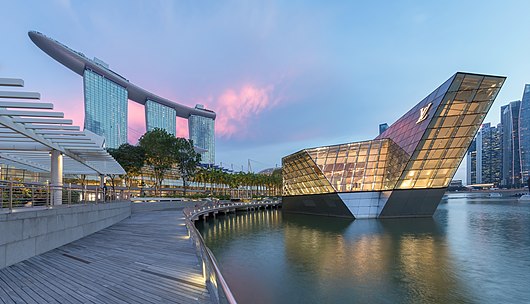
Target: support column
{"points": [[101, 186], [56, 185]]}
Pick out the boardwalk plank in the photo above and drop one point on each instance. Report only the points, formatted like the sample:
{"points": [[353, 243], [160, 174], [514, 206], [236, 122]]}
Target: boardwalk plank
{"points": [[146, 258]]}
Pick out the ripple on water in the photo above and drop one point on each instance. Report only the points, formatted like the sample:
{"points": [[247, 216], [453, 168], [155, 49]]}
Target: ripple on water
{"points": [[471, 251]]}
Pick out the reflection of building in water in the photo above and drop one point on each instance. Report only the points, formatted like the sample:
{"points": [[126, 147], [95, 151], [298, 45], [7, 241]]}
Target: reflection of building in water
{"points": [[375, 261], [377, 255], [404, 171]]}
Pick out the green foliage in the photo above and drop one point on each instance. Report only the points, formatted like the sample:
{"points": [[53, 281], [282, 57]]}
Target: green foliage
{"points": [[131, 158], [254, 184], [186, 159], [162, 151], [159, 147]]}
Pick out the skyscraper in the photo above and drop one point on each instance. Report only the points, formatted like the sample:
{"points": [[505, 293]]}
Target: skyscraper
{"points": [[524, 134], [105, 108], [511, 161], [382, 128], [202, 133], [107, 94], [489, 155], [471, 163], [160, 116]]}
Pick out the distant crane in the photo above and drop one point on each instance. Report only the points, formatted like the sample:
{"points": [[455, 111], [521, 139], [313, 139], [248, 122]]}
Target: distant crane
{"points": [[255, 161]]}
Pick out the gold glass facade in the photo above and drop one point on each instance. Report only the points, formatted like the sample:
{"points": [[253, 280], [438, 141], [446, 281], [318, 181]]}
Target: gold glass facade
{"points": [[423, 149], [301, 176], [450, 132], [363, 166]]}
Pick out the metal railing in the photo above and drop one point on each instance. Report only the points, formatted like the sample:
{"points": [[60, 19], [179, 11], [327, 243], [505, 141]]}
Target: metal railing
{"points": [[15, 194], [215, 282]]}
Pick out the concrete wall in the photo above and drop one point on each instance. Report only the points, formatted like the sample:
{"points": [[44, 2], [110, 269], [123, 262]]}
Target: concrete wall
{"points": [[26, 233], [159, 206]]}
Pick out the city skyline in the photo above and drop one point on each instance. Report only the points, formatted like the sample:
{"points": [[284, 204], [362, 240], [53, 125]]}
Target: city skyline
{"points": [[499, 155], [270, 70]]}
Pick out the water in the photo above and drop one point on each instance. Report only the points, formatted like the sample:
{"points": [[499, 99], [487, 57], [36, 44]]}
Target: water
{"points": [[472, 251]]}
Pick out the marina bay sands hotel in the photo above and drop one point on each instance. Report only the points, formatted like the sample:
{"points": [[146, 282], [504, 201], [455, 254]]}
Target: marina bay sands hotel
{"points": [[106, 96]]}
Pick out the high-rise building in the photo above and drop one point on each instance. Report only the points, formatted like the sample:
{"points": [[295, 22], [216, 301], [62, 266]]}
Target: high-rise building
{"points": [[160, 116], [489, 155], [511, 156], [382, 128], [107, 94], [471, 163], [105, 108], [507, 148], [524, 134], [202, 134]]}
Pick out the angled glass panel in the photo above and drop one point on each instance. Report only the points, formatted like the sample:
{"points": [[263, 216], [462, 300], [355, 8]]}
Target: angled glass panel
{"points": [[450, 133], [301, 176]]}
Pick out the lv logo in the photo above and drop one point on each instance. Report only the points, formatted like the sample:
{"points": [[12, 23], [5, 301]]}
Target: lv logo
{"points": [[424, 113]]}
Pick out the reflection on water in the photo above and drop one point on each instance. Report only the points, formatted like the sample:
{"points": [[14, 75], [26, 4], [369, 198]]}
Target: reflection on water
{"points": [[470, 252]]}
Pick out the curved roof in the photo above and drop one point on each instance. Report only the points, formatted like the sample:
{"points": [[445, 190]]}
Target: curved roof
{"points": [[78, 62], [30, 130]]}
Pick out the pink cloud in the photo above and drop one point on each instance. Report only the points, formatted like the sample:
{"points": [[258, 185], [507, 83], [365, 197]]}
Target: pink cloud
{"points": [[137, 126], [135, 121], [70, 104], [236, 107], [182, 127], [136, 116]]}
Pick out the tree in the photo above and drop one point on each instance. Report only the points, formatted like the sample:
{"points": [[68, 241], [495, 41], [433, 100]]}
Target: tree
{"points": [[277, 181], [132, 160], [186, 159], [159, 147], [201, 176]]}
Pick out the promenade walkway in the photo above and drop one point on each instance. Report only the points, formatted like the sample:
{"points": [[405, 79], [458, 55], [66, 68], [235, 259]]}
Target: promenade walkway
{"points": [[147, 258]]}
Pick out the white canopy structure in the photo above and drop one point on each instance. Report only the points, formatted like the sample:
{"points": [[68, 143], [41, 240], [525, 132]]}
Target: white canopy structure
{"points": [[34, 137]]}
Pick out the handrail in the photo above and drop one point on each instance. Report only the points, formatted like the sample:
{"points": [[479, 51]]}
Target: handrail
{"points": [[212, 281], [211, 271], [17, 194]]}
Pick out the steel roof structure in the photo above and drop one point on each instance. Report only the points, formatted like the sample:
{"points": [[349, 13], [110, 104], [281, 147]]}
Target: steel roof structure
{"points": [[78, 62], [30, 131]]}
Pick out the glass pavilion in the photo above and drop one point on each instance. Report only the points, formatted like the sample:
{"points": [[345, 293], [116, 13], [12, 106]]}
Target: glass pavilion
{"points": [[404, 171]]}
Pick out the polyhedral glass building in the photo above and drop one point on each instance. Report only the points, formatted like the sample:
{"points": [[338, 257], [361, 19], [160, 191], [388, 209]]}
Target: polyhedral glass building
{"points": [[403, 172]]}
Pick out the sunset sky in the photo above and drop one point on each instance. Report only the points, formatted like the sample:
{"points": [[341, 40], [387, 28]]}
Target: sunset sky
{"points": [[281, 75]]}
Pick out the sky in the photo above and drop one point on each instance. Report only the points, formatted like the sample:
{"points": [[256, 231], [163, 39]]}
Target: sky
{"points": [[281, 75]]}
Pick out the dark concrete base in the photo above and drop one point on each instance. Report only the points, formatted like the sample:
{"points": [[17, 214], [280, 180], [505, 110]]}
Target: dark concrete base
{"points": [[328, 204], [412, 203], [401, 203]]}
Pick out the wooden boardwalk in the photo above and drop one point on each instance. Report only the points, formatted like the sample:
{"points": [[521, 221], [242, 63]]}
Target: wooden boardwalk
{"points": [[147, 258]]}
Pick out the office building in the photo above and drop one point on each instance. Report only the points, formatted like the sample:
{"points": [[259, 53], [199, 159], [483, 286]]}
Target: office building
{"points": [[511, 154], [489, 155], [403, 172], [471, 163], [524, 134], [382, 128], [202, 134]]}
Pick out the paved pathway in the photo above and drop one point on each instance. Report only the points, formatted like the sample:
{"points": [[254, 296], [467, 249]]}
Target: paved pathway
{"points": [[147, 258]]}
